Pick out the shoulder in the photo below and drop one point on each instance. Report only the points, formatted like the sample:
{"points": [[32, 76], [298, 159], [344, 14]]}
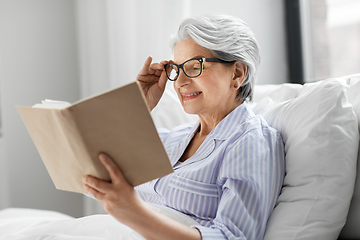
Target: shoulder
{"points": [[254, 127], [257, 125], [254, 142], [256, 139], [255, 152]]}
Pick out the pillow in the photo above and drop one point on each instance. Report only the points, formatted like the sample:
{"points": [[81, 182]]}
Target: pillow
{"points": [[320, 133], [278, 92], [353, 93], [351, 229]]}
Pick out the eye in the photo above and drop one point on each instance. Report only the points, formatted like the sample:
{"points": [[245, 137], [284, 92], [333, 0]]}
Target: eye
{"points": [[197, 66]]}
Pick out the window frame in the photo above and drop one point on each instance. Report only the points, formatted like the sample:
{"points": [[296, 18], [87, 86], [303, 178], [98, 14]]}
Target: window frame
{"points": [[294, 41]]}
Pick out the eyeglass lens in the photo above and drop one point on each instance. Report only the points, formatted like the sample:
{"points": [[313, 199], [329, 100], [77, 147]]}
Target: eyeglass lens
{"points": [[191, 68], [173, 71]]}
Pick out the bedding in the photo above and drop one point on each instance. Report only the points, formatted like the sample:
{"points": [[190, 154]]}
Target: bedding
{"points": [[320, 125], [21, 224], [320, 131], [351, 229], [318, 227]]}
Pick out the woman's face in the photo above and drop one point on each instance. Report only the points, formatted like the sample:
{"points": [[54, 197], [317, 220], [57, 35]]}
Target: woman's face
{"points": [[212, 94]]}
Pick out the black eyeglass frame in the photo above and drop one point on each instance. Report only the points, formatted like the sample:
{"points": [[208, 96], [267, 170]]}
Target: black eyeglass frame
{"points": [[201, 60]]}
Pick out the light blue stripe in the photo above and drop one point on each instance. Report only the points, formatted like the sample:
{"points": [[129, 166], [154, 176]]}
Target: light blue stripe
{"points": [[231, 184]]}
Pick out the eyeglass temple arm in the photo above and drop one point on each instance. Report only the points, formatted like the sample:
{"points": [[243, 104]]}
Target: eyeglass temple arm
{"points": [[216, 60]]}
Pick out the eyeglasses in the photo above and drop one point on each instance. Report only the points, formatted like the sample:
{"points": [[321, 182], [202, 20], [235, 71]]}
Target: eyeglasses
{"points": [[192, 68]]}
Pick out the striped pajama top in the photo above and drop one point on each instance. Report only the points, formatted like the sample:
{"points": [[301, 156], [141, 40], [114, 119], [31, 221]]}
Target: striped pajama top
{"points": [[231, 184]]}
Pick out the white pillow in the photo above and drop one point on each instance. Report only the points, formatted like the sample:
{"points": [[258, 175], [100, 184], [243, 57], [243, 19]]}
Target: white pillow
{"points": [[320, 133], [278, 92], [354, 93], [351, 229]]}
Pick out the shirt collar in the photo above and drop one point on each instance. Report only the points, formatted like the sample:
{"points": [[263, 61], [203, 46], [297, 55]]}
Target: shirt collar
{"points": [[232, 121]]}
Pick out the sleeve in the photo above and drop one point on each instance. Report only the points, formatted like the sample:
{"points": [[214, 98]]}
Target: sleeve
{"points": [[250, 178]]}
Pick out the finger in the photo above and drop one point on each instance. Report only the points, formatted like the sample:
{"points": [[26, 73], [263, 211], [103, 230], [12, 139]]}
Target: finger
{"points": [[146, 66], [96, 184], [164, 62], [152, 69], [114, 172], [156, 69], [167, 61], [157, 66], [158, 72], [93, 192], [162, 80]]}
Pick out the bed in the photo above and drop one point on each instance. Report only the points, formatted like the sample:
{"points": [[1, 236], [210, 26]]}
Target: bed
{"points": [[320, 198]]}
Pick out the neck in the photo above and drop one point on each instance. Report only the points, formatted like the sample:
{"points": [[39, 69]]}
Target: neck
{"points": [[210, 120]]}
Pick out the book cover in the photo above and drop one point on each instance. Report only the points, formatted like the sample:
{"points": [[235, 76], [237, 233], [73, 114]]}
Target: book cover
{"points": [[117, 122]]}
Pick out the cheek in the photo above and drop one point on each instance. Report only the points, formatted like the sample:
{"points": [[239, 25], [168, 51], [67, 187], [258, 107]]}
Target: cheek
{"points": [[177, 90], [216, 85]]}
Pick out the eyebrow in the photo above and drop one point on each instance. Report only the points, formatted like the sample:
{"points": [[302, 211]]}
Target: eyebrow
{"points": [[196, 57]]}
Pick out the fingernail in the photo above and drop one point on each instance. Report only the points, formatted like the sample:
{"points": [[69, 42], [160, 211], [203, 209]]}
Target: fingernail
{"points": [[102, 157]]}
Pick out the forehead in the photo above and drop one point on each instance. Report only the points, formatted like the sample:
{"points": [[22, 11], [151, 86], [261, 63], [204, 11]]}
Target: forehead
{"points": [[187, 49]]}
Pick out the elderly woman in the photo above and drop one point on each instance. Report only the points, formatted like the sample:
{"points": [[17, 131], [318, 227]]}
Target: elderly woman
{"points": [[229, 166]]}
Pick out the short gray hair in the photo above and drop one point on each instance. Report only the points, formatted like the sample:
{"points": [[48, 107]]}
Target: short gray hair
{"points": [[229, 39]]}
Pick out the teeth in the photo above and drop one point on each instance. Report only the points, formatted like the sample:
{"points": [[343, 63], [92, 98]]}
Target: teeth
{"points": [[193, 94]]}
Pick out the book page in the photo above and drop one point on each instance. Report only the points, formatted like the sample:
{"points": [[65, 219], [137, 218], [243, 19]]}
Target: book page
{"points": [[52, 104]]}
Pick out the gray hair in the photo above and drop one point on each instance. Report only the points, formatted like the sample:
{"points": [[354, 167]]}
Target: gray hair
{"points": [[229, 39]]}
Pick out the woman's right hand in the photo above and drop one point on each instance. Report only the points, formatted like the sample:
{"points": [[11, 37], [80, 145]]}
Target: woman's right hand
{"points": [[152, 79]]}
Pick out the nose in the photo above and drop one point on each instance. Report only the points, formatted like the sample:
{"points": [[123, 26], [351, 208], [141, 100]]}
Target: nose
{"points": [[182, 80]]}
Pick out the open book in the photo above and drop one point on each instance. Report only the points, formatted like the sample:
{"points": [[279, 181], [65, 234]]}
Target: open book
{"points": [[69, 137]]}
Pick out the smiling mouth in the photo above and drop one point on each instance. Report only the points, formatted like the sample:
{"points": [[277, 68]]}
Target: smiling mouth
{"points": [[192, 94]]}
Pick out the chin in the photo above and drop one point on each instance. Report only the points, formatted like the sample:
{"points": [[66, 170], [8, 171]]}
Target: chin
{"points": [[190, 110]]}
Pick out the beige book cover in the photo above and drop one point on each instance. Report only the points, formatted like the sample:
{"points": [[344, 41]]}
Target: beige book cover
{"points": [[117, 122]]}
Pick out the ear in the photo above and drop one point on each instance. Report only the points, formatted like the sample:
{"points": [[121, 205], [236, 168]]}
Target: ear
{"points": [[240, 70]]}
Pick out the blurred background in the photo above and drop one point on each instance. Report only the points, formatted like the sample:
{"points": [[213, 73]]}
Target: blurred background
{"points": [[71, 49]]}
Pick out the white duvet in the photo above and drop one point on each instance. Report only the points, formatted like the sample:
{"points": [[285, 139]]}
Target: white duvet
{"points": [[20, 224]]}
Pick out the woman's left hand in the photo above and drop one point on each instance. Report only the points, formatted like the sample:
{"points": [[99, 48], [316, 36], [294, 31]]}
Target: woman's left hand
{"points": [[118, 197]]}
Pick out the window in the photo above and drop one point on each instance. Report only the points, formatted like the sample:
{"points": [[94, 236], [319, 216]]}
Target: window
{"points": [[330, 34]]}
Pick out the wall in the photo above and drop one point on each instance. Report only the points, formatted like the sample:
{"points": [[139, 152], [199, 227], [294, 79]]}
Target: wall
{"points": [[134, 30], [38, 60], [41, 42], [267, 20], [4, 199]]}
